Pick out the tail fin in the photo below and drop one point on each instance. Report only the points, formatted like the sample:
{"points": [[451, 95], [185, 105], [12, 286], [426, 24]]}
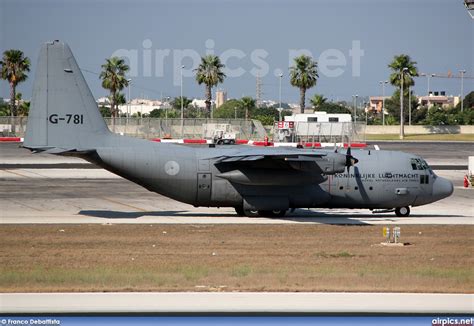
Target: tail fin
{"points": [[63, 111]]}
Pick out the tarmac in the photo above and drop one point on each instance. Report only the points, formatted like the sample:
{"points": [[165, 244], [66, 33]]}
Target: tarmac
{"points": [[237, 303], [35, 190]]}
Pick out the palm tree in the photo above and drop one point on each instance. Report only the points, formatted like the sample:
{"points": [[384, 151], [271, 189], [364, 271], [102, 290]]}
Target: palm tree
{"points": [[248, 104], [119, 100], [14, 66], [402, 67], [317, 100], [23, 107], [176, 103], [210, 73], [303, 75], [399, 64], [113, 79]]}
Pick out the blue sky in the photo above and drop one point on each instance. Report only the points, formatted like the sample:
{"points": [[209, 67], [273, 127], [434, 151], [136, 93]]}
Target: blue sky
{"points": [[438, 34]]}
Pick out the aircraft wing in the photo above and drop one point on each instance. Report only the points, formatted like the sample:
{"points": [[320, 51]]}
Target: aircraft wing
{"points": [[258, 154], [316, 161]]}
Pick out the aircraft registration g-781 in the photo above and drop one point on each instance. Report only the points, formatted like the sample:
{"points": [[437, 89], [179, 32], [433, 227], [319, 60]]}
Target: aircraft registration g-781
{"points": [[257, 181]]}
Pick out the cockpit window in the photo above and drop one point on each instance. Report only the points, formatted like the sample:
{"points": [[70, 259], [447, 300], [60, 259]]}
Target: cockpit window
{"points": [[418, 164]]}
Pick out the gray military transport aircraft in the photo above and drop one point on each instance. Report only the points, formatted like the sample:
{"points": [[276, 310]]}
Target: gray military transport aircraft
{"points": [[257, 181]]}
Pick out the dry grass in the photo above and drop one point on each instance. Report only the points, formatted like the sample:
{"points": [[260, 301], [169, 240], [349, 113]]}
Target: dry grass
{"points": [[233, 258]]}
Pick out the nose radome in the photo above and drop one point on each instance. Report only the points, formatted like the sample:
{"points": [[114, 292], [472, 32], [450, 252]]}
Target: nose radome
{"points": [[442, 188]]}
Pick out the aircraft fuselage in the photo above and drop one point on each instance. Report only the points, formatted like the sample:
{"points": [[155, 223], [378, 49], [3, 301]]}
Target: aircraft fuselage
{"points": [[380, 180]]}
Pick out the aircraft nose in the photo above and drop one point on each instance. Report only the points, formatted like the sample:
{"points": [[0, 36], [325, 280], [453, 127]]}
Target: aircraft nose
{"points": [[442, 188]]}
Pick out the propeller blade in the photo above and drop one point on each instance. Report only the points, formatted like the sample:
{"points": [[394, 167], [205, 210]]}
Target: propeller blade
{"points": [[350, 160]]}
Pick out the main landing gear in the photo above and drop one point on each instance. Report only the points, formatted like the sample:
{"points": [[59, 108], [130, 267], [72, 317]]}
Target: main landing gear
{"points": [[402, 211], [273, 213], [399, 211]]}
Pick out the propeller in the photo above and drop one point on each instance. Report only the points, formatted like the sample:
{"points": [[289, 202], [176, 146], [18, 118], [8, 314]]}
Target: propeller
{"points": [[350, 160]]}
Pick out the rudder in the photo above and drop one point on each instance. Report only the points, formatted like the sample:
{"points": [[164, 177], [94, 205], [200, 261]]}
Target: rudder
{"points": [[63, 111]]}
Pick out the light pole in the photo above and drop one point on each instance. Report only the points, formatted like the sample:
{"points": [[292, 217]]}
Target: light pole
{"points": [[383, 100], [354, 97], [129, 107], [402, 120], [409, 106], [182, 108], [279, 96], [462, 72], [366, 112], [129, 104], [428, 76]]}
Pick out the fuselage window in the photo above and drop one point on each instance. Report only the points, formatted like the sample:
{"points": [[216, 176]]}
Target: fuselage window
{"points": [[419, 164], [333, 119], [424, 179], [312, 119]]}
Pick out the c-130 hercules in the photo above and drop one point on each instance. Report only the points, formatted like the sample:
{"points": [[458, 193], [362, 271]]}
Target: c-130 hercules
{"points": [[257, 181]]}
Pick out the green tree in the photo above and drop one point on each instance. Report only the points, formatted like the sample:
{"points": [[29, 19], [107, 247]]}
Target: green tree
{"points": [[317, 100], [248, 104], [4, 109], [176, 103], [403, 69], [468, 101], [209, 73], [438, 115], [120, 99], [194, 111], [419, 115], [165, 113], [392, 106], [113, 79], [334, 108], [104, 111], [23, 108], [14, 66], [399, 64], [228, 110], [303, 74]]}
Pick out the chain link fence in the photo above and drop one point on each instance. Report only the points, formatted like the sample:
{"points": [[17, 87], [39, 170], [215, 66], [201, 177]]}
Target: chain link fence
{"points": [[321, 132], [154, 128]]}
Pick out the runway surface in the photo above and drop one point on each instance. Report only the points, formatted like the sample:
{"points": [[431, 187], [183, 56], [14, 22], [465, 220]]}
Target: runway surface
{"points": [[97, 196], [237, 302], [87, 195]]}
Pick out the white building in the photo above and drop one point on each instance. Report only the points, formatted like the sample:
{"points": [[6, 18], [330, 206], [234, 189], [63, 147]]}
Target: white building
{"points": [[136, 106], [200, 103], [142, 106]]}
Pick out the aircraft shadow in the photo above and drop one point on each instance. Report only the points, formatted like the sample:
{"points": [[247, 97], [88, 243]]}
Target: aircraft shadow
{"points": [[125, 215], [299, 216], [303, 216]]}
